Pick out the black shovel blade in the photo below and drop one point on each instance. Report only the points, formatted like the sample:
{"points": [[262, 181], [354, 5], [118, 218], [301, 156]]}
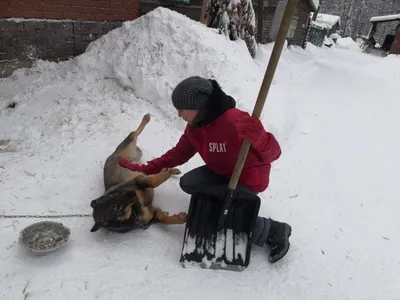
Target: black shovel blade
{"points": [[229, 249]]}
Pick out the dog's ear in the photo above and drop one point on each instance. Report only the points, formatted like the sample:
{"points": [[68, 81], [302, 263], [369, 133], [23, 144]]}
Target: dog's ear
{"points": [[95, 227], [93, 203]]}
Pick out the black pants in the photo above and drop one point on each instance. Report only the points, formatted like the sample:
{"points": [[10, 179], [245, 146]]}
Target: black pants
{"points": [[203, 176]]}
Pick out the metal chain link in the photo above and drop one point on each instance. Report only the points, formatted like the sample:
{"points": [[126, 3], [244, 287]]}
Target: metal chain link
{"points": [[135, 218], [44, 216]]}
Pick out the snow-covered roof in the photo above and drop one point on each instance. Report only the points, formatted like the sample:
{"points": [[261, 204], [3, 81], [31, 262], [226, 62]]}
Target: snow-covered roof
{"points": [[325, 20], [385, 18]]}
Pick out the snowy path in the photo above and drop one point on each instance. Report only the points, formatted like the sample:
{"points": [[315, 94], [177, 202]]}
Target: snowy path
{"points": [[335, 113]]}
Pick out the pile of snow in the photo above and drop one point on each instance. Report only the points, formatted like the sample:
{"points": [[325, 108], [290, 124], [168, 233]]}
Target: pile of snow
{"points": [[347, 43], [150, 55]]}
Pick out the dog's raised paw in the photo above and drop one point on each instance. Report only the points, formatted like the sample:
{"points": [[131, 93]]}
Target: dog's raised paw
{"points": [[169, 171], [182, 217], [146, 118], [176, 171]]}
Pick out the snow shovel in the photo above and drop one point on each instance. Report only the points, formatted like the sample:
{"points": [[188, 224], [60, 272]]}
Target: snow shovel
{"points": [[218, 232]]}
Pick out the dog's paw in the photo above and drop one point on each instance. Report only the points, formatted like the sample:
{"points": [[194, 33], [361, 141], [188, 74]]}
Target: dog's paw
{"points": [[181, 217], [146, 118], [167, 171], [170, 171], [176, 171]]}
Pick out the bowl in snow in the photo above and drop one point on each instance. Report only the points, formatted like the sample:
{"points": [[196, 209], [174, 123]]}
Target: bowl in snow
{"points": [[43, 237]]}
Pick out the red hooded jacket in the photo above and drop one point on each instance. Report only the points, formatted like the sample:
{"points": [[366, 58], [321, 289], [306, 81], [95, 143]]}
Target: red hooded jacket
{"points": [[219, 144]]}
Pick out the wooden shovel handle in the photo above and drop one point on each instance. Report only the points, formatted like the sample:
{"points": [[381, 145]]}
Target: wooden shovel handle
{"points": [[265, 86]]}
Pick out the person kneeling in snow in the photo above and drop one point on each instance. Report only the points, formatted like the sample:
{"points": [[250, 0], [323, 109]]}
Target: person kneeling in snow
{"points": [[216, 130]]}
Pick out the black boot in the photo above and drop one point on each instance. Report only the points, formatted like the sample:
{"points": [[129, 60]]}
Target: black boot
{"points": [[278, 240]]}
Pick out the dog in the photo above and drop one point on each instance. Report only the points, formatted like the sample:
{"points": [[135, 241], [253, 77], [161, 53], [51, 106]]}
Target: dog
{"points": [[128, 199]]}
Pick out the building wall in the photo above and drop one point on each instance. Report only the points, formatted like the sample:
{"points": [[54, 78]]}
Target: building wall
{"points": [[189, 8], [57, 29], [268, 15], [303, 13]]}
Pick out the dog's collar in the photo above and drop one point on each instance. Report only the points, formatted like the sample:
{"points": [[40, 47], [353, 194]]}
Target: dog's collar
{"points": [[137, 221]]}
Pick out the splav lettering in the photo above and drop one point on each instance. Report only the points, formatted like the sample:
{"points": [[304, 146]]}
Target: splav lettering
{"points": [[217, 147]]}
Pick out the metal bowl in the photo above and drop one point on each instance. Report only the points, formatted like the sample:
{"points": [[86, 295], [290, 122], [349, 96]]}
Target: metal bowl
{"points": [[44, 237]]}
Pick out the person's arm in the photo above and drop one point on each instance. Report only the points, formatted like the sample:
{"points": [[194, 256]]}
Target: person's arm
{"points": [[251, 129], [180, 154]]}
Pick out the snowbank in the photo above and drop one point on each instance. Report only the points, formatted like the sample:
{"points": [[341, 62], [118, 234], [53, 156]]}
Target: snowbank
{"points": [[347, 43], [150, 55]]}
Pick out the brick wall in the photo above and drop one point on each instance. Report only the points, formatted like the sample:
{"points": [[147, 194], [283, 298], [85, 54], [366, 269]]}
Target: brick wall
{"points": [[57, 29], [88, 10]]}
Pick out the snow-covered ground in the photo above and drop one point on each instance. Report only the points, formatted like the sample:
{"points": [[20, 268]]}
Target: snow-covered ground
{"points": [[334, 111]]}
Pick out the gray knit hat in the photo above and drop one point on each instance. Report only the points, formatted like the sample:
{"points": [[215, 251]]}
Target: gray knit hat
{"points": [[192, 93]]}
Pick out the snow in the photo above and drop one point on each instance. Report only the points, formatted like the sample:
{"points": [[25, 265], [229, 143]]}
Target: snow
{"points": [[347, 43], [334, 112], [385, 18], [235, 248], [143, 62], [335, 36], [234, 7], [326, 20], [328, 41]]}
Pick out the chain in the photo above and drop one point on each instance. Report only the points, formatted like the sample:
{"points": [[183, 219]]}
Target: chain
{"points": [[44, 216], [135, 218], [137, 222]]}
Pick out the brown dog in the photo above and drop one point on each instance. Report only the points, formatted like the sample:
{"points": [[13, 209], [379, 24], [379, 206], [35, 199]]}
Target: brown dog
{"points": [[127, 202]]}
